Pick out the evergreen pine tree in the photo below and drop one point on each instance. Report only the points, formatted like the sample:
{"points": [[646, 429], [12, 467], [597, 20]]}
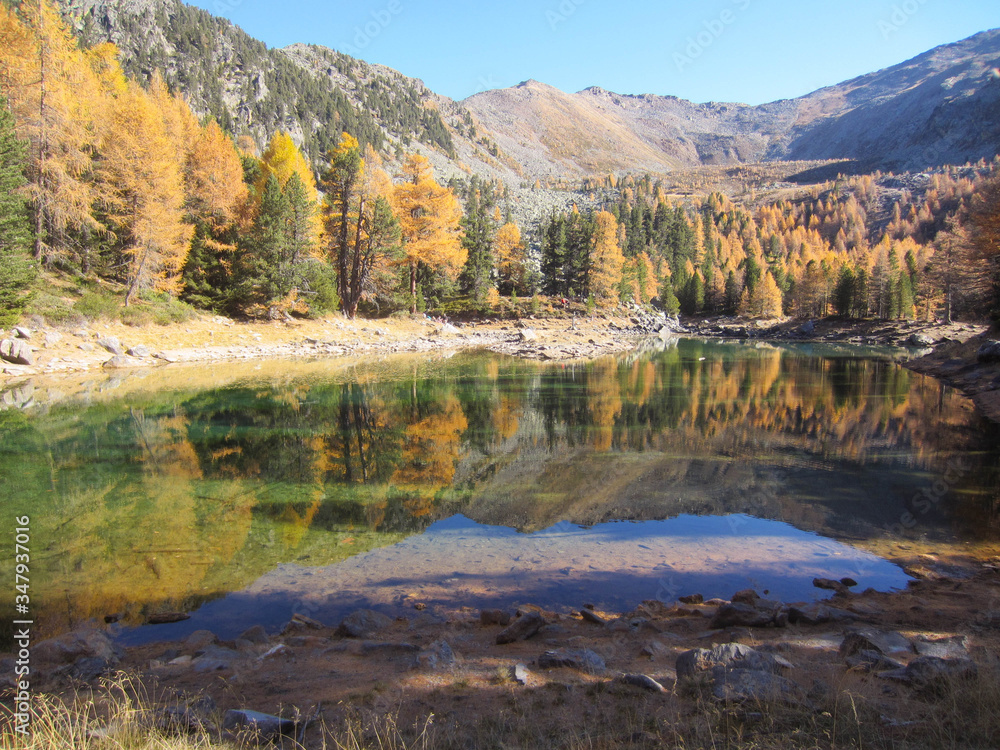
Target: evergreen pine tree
{"points": [[843, 293], [299, 227], [16, 269], [554, 256], [205, 275], [258, 270], [478, 274], [671, 305]]}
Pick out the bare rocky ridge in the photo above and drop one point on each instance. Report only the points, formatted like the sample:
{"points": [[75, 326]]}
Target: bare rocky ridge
{"points": [[941, 107]]}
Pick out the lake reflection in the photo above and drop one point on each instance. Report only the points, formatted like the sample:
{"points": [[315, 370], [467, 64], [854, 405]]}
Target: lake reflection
{"points": [[168, 497], [457, 562]]}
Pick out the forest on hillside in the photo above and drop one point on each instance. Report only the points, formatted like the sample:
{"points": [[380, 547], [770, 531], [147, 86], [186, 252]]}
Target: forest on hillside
{"points": [[116, 185]]}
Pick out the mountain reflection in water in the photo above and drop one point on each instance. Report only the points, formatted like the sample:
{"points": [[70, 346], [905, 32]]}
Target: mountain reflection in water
{"points": [[457, 562], [163, 497]]}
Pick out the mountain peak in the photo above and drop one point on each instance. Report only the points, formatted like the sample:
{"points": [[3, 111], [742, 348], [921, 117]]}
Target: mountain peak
{"points": [[532, 84]]}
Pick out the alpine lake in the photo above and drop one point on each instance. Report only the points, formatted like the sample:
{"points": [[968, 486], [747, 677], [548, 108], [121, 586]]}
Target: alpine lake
{"points": [[244, 493]]}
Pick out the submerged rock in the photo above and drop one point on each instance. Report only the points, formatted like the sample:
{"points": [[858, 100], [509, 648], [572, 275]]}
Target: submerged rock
{"points": [[830, 585], [165, 618], [255, 634]]}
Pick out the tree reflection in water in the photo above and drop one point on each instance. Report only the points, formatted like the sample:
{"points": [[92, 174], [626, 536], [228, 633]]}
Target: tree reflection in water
{"points": [[176, 497]]}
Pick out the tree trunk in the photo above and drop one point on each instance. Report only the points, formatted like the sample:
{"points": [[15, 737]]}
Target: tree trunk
{"points": [[413, 287], [134, 284]]}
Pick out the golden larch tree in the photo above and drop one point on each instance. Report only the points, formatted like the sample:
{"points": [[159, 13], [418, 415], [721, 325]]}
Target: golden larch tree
{"points": [[282, 158], [143, 194], [429, 217], [51, 90], [606, 260], [512, 262], [213, 178], [179, 123], [985, 214], [765, 301]]}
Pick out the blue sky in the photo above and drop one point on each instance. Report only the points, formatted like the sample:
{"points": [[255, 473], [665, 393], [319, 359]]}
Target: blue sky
{"points": [[750, 51]]}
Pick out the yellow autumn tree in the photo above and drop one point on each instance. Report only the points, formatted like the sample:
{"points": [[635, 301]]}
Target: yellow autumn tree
{"points": [[606, 260], [179, 123], [282, 159], [985, 215], [429, 217], [213, 177], [765, 301], [51, 90], [143, 194], [512, 262]]}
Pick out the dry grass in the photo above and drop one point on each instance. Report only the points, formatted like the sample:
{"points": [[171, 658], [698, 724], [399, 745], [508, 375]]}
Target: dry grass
{"points": [[118, 715], [122, 714]]}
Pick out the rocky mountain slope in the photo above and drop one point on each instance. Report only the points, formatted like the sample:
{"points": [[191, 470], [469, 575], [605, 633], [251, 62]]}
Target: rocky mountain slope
{"points": [[313, 92], [940, 107]]}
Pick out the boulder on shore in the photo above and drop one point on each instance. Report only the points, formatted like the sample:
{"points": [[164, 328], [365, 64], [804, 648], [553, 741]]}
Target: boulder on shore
{"points": [[16, 352], [521, 629], [989, 352], [111, 344], [582, 659], [363, 623]]}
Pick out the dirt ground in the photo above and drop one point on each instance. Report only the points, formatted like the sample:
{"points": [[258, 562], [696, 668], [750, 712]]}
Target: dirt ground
{"points": [[399, 671]]}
